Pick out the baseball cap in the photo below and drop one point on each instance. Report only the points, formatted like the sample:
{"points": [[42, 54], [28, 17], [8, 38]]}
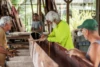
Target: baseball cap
{"points": [[89, 24]]}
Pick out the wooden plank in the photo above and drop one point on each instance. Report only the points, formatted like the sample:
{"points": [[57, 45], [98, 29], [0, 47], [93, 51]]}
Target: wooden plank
{"points": [[19, 35], [67, 10], [98, 13], [40, 58]]}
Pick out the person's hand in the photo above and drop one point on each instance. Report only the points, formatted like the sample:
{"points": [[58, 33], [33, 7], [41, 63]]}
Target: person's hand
{"points": [[9, 54], [35, 31], [43, 38], [2, 50], [76, 52], [72, 53], [80, 54]]}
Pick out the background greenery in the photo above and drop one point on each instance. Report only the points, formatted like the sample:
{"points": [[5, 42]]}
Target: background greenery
{"points": [[25, 14]]}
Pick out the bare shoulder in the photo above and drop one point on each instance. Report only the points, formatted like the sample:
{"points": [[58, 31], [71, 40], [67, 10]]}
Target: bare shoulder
{"points": [[96, 46]]}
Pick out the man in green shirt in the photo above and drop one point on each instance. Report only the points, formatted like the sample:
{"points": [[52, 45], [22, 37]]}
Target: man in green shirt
{"points": [[61, 33]]}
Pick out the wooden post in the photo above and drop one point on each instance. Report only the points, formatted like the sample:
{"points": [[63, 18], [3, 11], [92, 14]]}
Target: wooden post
{"points": [[49, 48], [31, 6], [25, 14], [40, 10], [37, 6], [98, 13], [54, 5], [49, 5], [44, 6], [67, 10]]}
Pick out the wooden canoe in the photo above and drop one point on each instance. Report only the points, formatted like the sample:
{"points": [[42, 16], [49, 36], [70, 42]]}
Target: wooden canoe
{"points": [[47, 54]]}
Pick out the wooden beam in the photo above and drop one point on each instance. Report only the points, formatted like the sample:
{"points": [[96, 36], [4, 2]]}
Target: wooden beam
{"points": [[37, 6], [54, 5], [31, 6], [25, 13], [98, 13], [44, 6], [67, 10], [40, 15], [49, 5]]}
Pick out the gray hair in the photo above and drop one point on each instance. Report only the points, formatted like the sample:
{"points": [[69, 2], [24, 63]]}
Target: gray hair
{"points": [[5, 20], [51, 16]]}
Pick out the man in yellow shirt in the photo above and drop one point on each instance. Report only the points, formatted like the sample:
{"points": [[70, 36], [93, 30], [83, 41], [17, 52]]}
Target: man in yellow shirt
{"points": [[61, 33], [5, 25]]}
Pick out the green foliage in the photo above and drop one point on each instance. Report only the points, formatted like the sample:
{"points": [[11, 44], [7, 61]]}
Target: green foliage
{"points": [[17, 3], [94, 4], [26, 16], [78, 17]]}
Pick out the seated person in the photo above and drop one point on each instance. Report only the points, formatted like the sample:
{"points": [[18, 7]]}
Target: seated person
{"points": [[36, 24], [89, 29]]}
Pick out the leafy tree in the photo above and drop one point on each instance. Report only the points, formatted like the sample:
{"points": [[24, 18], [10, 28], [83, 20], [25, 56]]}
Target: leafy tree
{"points": [[17, 3], [78, 18]]}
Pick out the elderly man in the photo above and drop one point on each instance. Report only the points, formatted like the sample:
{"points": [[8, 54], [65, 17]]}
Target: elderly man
{"points": [[61, 33], [5, 25]]}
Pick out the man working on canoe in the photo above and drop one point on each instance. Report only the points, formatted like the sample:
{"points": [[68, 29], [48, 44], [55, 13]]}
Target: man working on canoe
{"points": [[5, 25], [61, 33]]}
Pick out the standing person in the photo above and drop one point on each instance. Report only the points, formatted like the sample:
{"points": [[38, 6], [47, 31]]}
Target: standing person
{"points": [[89, 29], [61, 33], [36, 24], [5, 25]]}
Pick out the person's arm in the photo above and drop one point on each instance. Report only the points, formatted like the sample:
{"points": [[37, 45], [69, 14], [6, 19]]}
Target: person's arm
{"points": [[96, 55], [58, 35], [52, 37], [76, 52], [1, 37], [2, 50], [32, 28], [52, 34], [2, 46], [40, 28]]}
